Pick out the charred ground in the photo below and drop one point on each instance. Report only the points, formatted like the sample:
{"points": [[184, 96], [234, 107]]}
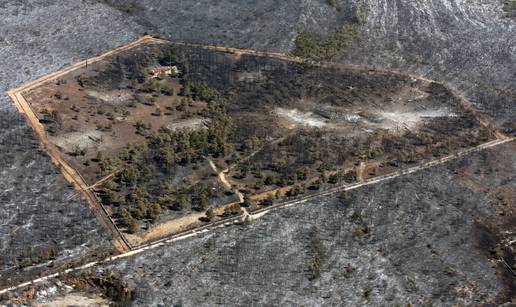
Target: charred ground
{"points": [[165, 119], [469, 45], [333, 250]]}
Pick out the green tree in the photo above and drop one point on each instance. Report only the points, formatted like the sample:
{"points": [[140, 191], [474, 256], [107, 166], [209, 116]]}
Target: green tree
{"points": [[258, 185], [270, 179], [98, 156], [335, 178], [153, 212], [183, 200], [210, 214], [350, 176], [204, 200], [233, 209], [344, 198], [134, 226]]}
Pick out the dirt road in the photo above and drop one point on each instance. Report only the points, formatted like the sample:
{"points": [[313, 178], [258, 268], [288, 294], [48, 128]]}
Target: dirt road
{"points": [[225, 182], [260, 213]]}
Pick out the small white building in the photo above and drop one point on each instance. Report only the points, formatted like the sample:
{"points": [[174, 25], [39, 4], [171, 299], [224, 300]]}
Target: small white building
{"points": [[163, 70]]}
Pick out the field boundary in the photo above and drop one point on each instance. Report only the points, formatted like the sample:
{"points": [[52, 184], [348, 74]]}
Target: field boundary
{"points": [[75, 178], [120, 241], [69, 172]]}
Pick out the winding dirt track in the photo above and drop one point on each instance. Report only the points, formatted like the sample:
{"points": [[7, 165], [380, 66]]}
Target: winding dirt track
{"points": [[119, 240]]}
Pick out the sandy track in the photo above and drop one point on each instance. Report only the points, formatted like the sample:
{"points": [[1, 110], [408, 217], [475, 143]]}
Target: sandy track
{"points": [[225, 182], [96, 184]]}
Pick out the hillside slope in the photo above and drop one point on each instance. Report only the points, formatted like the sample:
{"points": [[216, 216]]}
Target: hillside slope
{"points": [[469, 43]]}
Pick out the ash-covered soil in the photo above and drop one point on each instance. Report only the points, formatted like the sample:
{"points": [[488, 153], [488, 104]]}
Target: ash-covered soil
{"points": [[388, 244], [356, 113], [470, 44], [38, 222]]}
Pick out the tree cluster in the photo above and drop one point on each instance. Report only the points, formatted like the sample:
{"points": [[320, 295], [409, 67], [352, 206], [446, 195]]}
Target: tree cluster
{"points": [[135, 190]]}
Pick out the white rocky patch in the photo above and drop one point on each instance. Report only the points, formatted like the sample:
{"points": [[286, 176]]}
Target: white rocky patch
{"points": [[85, 139], [395, 119], [250, 76], [191, 123], [301, 118], [111, 97]]}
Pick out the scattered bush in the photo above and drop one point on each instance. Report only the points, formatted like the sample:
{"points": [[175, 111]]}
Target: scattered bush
{"points": [[233, 209]]}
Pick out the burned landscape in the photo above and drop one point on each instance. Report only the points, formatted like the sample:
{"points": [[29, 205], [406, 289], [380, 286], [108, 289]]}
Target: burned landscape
{"points": [[441, 236], [166, 132], [332, 250]]}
